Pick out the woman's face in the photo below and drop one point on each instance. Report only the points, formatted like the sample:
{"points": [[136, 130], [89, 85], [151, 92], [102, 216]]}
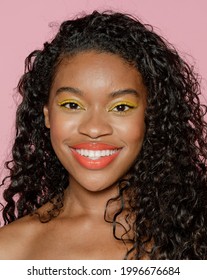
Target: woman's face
{"points": [[95, 115]]}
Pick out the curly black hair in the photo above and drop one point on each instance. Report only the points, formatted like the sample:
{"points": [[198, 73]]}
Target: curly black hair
{"points": [[167, 185]]}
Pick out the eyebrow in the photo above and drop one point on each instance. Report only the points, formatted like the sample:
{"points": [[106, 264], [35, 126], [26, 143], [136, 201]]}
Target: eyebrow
{"points": [[124, 92], [112, 94], [70, 90]]}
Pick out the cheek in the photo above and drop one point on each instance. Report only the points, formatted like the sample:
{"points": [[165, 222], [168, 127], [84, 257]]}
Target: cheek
{"points": [[60, 128], [132, 132]]}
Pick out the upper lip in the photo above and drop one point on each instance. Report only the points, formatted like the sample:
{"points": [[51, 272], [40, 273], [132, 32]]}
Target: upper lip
{"points": [[94, 146]]}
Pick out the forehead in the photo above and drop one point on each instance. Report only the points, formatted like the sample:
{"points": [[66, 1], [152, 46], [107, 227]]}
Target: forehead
{"points": [[90, 69]]}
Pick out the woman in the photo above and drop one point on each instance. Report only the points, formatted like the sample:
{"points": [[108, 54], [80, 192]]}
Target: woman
{"points": [[109, 160]]}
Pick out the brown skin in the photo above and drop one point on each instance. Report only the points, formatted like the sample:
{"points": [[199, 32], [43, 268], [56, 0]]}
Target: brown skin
{"points": [[80, 231]]}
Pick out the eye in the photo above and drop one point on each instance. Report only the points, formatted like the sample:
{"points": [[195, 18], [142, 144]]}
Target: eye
{"points": [[123, 107], [71, 105]]}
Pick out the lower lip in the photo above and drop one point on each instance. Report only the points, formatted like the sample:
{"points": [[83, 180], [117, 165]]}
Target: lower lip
{"points": [[96, 164]]}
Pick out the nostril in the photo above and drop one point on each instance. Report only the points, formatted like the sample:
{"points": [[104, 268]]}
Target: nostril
{"points": [[95, 127]]}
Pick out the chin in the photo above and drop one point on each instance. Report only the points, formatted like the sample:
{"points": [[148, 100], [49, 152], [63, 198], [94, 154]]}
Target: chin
{"points": [[96, 185], [99, 188]]}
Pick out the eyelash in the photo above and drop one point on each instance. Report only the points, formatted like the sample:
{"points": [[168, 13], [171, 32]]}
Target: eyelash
{"points": [[122, 104], [70, 102]]}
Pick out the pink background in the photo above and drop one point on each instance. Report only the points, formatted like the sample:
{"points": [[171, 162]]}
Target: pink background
{"points": [[24, 26]]}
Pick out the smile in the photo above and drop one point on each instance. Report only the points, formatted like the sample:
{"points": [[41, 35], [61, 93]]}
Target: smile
{"points": [[95, 155]]}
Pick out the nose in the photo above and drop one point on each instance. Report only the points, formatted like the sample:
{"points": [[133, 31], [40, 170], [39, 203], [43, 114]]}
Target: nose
{"points": [[95, 125]]}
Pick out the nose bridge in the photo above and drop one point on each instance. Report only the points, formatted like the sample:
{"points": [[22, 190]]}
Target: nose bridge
{"points": [[95, 123]]}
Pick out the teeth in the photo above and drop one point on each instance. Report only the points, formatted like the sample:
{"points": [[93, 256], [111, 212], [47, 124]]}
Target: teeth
{"points": [[95, 154]]}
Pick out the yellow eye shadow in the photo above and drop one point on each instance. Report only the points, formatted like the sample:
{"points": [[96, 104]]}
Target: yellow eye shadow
{"points": [[131, 105], [64, 102]]}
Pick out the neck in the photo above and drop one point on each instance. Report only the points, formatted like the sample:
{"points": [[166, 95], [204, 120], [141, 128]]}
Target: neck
{"points": [[80, 201]]}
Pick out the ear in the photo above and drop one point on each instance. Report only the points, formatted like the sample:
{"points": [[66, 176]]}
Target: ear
{"points": [[46, 114]]}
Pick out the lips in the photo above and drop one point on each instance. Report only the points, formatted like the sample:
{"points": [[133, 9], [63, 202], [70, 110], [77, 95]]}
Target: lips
{"points": [[95, 155]]}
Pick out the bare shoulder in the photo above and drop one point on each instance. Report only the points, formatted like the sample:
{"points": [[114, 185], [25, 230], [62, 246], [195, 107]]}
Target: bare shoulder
{"points": [[15, 237]]}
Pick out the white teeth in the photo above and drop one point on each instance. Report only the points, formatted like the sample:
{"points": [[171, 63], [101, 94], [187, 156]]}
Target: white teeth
{"points": [[95, 154]]}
